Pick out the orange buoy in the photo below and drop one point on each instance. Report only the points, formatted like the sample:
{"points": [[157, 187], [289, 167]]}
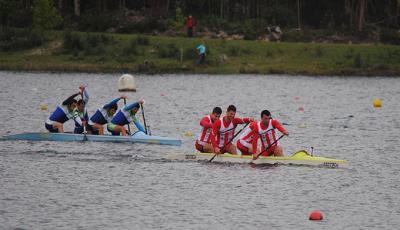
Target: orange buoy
{"points": [[316, 215], [301, 109]]}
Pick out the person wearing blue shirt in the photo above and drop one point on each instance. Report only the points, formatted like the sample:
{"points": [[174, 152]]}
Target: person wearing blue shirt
{"points": [[103, 116], [81, 111], [201, 49], [123, 117], [63, 113]]}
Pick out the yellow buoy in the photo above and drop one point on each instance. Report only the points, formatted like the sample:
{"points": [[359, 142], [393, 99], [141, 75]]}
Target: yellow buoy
{"points": [[189, 133], [302, 125], [43, 107], [377, 103]]}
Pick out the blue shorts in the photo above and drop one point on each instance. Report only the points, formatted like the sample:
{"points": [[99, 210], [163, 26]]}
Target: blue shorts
{"points": [[50, 128], [110, 128], [78, 130], [92, 130]]}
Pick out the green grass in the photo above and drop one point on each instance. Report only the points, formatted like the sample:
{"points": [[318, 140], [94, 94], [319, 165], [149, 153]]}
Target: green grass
{"points": [[102, 52]]}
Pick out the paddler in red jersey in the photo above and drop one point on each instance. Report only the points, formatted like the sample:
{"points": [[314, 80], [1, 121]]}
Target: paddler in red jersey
{"points": [[203, 142], [265, 131], [224, 131]]}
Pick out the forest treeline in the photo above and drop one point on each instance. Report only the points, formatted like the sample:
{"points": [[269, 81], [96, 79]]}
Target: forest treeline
{"points": [[365, 19]]}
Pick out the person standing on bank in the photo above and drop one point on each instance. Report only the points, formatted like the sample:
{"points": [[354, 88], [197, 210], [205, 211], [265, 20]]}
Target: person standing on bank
{"points": [[201, 51], [190, 23]]}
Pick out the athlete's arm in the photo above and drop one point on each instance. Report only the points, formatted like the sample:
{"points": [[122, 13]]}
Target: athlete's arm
{"points": [[85, 96], [115, 101], [138, 125], [214, 134], [254, 131], [131, 106], [276, 124], [75, 116], [238, 120], [205, 122], [69, 100]]}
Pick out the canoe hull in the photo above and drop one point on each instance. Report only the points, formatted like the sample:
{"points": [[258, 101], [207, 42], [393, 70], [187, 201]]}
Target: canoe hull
{"points": [[298, 158], [138, 137]]}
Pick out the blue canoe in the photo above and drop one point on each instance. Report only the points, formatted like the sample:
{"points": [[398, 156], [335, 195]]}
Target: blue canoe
{"points": [[138, 137]]}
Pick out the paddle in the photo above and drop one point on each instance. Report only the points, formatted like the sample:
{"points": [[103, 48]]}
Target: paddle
{"points": [[268, 147], [144, 119], [84, 125], [223, 147], [129, 127]]}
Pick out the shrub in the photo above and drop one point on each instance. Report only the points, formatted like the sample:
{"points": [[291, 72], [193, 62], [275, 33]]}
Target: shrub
{"points": [[144, 26], [92, 40], [349, 54], [142, 40], [251, 29], [94, 21], [234, 51], [169, 51], [45, 15], [189, 54], [269, 53], [390, 36], [319, 52], [179, 20], [72, 42], [131, 49], [20, 39], [358, 61]]}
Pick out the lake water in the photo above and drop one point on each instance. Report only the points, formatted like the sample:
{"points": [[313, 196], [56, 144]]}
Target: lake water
{"points": [[53, 185]]}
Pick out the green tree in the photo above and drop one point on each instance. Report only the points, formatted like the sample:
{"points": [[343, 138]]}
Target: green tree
{"points": [[7, 8], [179, 21], [45, 15]]}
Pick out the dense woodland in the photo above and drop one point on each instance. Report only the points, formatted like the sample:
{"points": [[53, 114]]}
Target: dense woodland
{"points": [[286, 13], [356, 17], [112, 35]]}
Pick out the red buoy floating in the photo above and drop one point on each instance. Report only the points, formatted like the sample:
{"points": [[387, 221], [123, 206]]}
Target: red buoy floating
{"points": [[316, 215]]}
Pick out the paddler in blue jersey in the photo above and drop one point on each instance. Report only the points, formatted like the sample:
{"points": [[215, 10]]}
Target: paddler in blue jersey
{"points": [[103, 116], [62, 114], [81, 111], [123, 117]]}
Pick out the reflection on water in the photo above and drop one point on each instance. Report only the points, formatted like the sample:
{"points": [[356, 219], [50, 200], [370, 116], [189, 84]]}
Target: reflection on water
{"points": [[50, 185]]}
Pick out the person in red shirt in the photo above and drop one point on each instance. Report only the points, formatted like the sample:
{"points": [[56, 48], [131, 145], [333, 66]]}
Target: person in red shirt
{"points": [[203, 143], [224, 131], [265, 131], [190, 23]]}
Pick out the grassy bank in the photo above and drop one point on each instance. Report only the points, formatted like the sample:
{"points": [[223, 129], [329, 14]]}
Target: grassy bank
{"points": [[96, 52]]}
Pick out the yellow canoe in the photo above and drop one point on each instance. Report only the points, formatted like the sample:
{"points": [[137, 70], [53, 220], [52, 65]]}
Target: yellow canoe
{"points": [[298, 158]]}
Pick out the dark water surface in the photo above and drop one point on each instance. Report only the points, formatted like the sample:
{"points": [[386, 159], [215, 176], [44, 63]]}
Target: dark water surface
{"points": [[50, 185]]}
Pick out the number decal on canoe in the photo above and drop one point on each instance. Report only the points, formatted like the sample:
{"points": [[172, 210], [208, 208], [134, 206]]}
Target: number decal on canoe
{"points": [[331, 165], [190, 157]]}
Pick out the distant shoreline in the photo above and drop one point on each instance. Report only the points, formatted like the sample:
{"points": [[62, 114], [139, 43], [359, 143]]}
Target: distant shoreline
{"points": [[117, 53]]}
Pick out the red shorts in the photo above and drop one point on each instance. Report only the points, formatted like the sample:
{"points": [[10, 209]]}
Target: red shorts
{"points": [[269, 152], [225, 150], [243, 149], [199, 147]]}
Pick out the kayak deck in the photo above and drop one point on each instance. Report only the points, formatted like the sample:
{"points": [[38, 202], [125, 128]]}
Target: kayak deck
{"points": [[138, 137], [298, 158]]}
